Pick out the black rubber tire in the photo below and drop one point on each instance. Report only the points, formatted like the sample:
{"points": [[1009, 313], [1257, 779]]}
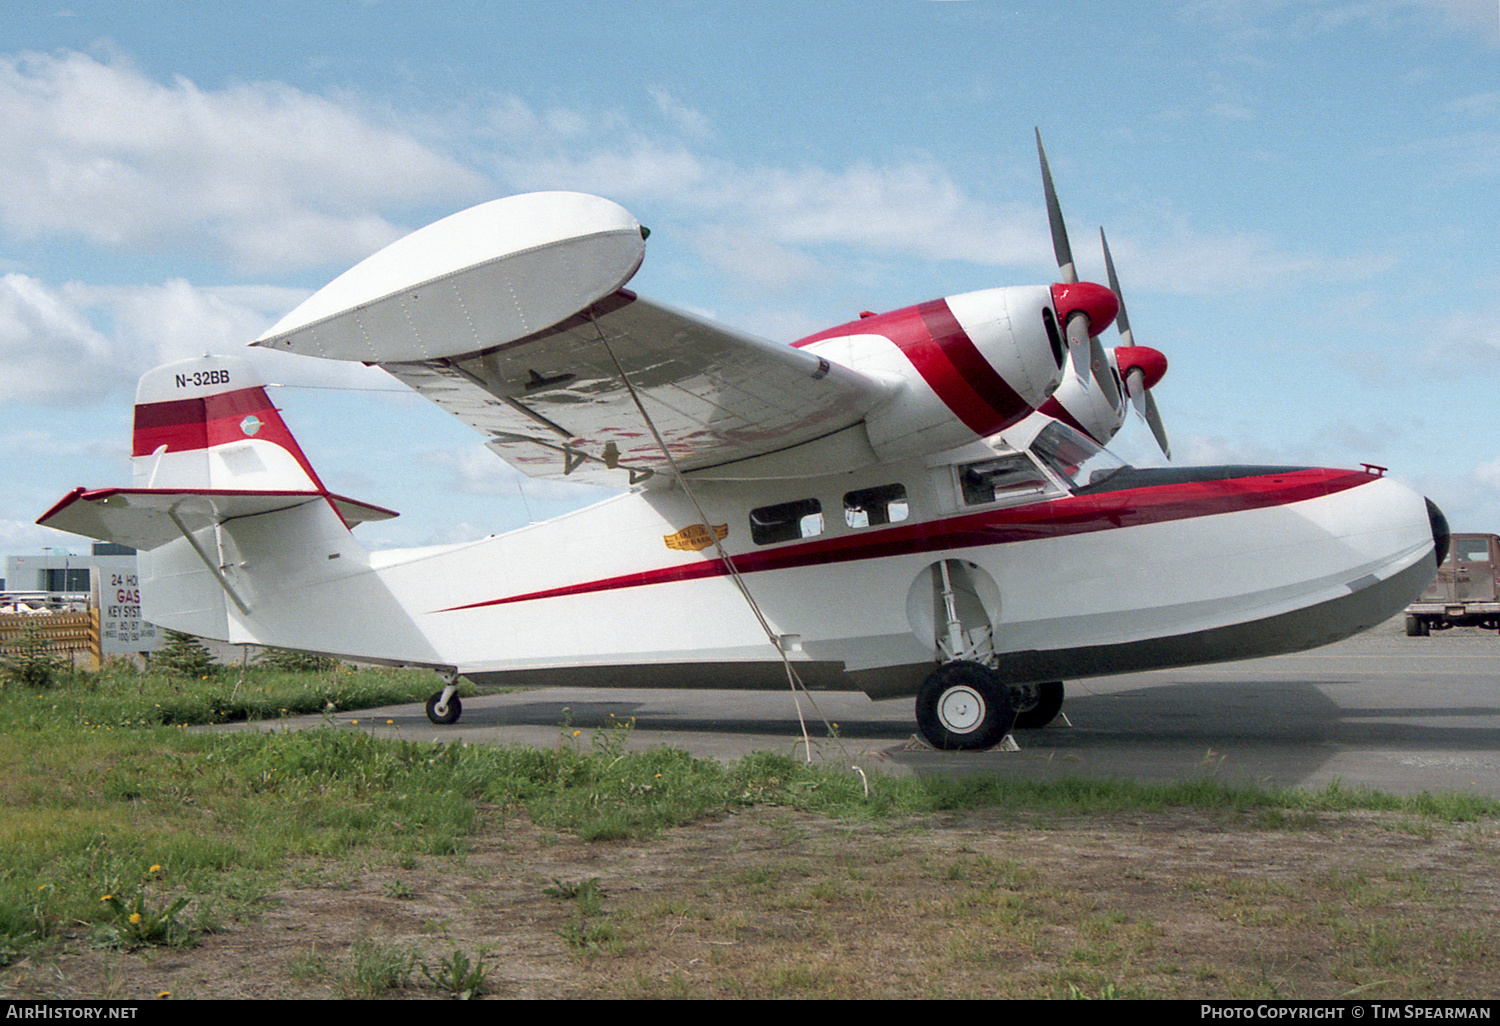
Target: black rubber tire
{"points": [[455, 709], [964, 707], [1036, 705], [1416, 627]]}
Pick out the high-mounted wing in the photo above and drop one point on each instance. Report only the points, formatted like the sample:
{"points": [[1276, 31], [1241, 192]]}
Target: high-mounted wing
{"points": [[555, 404], [512, 316]]}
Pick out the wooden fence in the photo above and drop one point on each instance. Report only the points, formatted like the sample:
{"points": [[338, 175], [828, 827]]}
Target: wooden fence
{"points": [[62, 634]]}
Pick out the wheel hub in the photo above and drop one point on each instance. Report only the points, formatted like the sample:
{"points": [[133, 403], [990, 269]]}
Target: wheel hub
{"points": [[961, 709], [1024, 697]]}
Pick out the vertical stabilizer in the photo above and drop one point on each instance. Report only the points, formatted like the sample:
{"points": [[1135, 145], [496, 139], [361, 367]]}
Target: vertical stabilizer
{"points": [[207, 425]]}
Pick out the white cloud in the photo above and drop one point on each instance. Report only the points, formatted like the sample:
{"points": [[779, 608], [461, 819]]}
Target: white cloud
{"points": [[260, 174], [76, 343], [49, 351], [1190, 262], [684, 118]]}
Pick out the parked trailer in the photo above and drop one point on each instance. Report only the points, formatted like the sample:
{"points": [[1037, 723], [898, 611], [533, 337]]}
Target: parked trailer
{"points": [[1466, 591]]}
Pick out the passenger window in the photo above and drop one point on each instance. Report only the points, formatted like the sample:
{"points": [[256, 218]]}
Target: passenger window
{"points": [[1010, 477], [871, 507], [787, 521]]}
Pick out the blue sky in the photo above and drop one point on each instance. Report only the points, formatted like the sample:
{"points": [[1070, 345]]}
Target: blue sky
{"points": [[1299, 194]]}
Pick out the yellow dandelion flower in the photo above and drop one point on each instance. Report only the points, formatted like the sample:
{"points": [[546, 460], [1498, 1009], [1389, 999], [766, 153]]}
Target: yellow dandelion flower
{"points": [[106, 897], [135, 919], [155, 869]]}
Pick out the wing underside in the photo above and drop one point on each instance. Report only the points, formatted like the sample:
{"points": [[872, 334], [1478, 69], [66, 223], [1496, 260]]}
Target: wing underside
{"points": [[554, 404]]}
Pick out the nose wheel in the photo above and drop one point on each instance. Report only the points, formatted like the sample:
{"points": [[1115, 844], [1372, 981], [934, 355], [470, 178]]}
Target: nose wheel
{"points": [[964, 707]]}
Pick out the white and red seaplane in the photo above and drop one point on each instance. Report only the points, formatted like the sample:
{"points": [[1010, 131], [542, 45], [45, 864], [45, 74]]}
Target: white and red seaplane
{"points": [[877, 507]]}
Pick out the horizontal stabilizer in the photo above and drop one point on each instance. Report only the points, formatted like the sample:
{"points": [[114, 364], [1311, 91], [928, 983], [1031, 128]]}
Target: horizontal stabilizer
{"points": [[146, 518]]}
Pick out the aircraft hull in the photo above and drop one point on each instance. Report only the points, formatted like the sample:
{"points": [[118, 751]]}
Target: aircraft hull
{"points": [[1074, 587]]}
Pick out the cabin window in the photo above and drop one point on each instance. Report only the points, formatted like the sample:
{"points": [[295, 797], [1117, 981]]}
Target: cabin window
{"points": [[1007, 478], [786, 521], [872, 507]]}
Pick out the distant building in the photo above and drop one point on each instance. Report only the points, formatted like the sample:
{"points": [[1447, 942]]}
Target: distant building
{"points": [[62, 580], [63, 573]]}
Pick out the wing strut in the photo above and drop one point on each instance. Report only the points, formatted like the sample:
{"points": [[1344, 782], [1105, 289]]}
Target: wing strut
{"points": [[793, 680], [213, 566]]}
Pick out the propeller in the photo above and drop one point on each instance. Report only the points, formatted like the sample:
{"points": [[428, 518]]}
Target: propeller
{"points": [[1086, 308], [1141, 367]]}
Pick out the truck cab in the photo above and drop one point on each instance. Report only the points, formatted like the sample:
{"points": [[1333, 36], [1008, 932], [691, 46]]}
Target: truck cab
{"points": [[1466, 591]]}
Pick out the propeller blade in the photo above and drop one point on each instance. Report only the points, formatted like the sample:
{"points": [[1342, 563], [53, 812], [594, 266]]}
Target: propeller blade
{"points": [[1135, 387], [1104, 374], [1080, 346], [1060, 247], [1135, 378], [1153, 418], [1114, 286]]}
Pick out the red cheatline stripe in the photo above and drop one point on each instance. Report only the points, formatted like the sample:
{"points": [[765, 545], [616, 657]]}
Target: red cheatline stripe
{"points": [[1078, 514]]}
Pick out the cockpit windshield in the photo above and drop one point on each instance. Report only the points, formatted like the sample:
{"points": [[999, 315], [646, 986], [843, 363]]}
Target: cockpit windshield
{"points": [[1077, 459]]}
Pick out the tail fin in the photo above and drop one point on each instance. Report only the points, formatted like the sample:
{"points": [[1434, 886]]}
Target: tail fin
{"points": [[207, 424], [208, 448], [233, 526]]}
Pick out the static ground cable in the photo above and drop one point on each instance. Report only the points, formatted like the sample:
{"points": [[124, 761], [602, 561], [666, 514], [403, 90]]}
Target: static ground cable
{"points": [[793, 680]]}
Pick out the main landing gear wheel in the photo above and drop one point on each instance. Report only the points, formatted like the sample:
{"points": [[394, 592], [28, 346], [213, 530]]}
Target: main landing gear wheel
{"points": [[1036, 705], [450, 713], [964, 707]]}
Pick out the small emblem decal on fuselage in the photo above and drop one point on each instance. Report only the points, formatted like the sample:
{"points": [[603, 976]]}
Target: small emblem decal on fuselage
{"points": [[250, 425], [695, 537]]}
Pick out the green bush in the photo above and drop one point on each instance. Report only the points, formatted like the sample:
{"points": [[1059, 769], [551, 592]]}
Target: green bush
{"points": [[31, 665], [184, 655], [290, 660]]}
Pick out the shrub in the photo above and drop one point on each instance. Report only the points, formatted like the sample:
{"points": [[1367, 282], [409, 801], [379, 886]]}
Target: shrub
{"points": [[30, 664], [184, 655]]}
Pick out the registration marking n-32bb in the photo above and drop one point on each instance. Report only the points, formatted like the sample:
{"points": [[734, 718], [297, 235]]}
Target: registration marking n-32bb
{"points": [[199, 379]]}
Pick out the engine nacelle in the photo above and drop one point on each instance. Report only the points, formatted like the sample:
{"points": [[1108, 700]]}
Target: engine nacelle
{"points": [[968, 366], [1084, 404]]}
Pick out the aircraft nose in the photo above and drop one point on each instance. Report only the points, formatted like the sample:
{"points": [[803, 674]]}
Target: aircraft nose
{"points": [[1441, 535]]}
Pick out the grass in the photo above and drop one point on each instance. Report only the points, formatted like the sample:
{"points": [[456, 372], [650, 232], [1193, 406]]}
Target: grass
{"points": [[115, 819]]}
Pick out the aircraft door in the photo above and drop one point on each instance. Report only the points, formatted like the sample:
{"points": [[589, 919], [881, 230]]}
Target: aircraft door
{"points": [[1473, 569], [953, 605]]}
